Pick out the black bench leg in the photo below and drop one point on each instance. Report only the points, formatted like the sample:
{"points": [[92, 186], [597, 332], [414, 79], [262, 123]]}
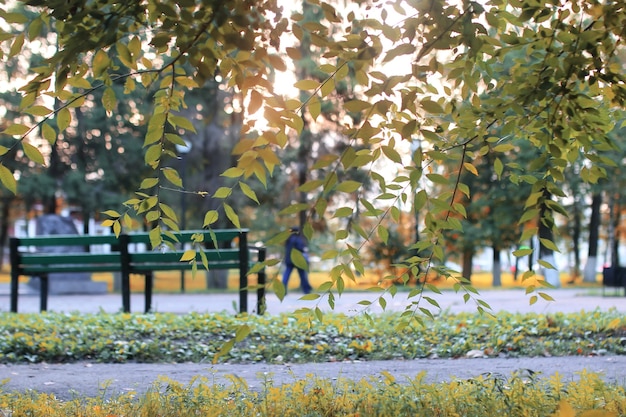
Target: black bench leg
{"points": [[126, 292], [43, 293], [260, 292], [148, 300], [14, 290]]}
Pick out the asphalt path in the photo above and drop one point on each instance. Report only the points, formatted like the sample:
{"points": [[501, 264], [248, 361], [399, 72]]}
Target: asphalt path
{"points": [[567, 300], [90, 379]]}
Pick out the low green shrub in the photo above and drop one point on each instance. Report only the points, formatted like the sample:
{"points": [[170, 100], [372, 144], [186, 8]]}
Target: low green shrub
{"points": [[54, 337], [380, 396]]}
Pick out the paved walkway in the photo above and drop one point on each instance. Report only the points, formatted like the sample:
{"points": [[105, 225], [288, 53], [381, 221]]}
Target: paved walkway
{"points": [[567, 300]]}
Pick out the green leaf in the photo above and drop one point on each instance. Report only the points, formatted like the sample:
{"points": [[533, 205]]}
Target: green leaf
{"points": [[16, 46], [545, 296], [498, 167], [279, 289], [148, 183], [226, 347], [310, 297], [232, 216], [298, 259], [431, 107], [16, 130], [402, 49], [109, 101], [349, 186], [529, 215], [522, 252], [310, 185], [392, 154], [222, 192], [242, 332], [153, 155], [48, 133], [315, 108], [33, 153], [294, 208], [168, 212], [233, 172], [112, 213], [547, 243], [64, 118], [438, 179], [155, 237], [343, 212], [248, 192], [7, 179], [356, 106], [181, 122], [210, 217], [383, 233], [38, 111], [172, 176], [100, 63]]}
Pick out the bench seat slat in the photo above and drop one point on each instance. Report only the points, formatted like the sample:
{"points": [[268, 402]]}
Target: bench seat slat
{"points": [[36, 270], [165, 257], [149, 267]]}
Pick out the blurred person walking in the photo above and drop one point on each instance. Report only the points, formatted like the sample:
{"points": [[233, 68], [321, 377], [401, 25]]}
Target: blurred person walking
{"points": [[296, 241]]}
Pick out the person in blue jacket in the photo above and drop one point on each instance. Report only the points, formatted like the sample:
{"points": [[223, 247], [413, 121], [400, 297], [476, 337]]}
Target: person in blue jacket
{"points": [[298, 242]]}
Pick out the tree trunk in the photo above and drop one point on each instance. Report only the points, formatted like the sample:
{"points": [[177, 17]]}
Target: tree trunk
{"points": [[516, 269], [468, 257], [575, 272], [590, 272], [497, 267], [545, 253], [615, 246], [4, 226]]}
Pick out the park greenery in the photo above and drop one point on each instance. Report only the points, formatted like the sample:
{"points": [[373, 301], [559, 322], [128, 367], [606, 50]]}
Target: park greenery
{"points": [[118, 338], [477, 123], [401, 107], [382, 395]]}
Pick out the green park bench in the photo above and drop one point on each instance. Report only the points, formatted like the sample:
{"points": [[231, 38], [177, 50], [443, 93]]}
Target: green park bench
{"points": [[29, 258]]}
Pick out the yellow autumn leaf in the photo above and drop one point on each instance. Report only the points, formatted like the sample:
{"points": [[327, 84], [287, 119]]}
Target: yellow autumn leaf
{"points": [[188, 255], [307, 84], [470, 168], [315, 107], [256, 102]]}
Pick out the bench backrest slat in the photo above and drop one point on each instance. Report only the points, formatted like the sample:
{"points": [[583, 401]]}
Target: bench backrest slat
{"points": [[187, 236], [68, 240]]}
